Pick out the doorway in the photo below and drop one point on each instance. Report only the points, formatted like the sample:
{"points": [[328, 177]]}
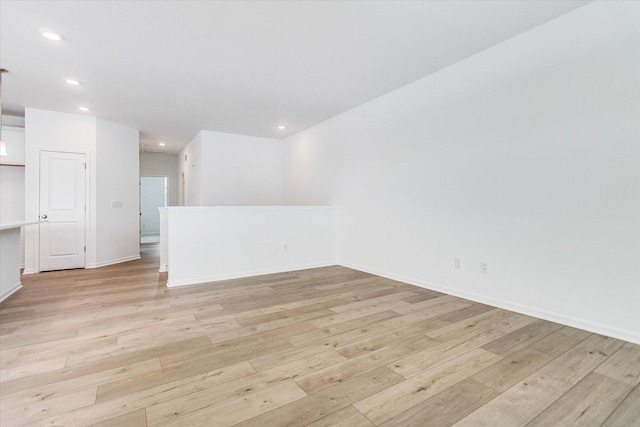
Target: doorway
{"points": [[153, 195]]}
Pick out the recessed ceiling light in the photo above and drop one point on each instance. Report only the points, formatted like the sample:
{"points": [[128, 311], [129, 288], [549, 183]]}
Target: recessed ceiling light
{"points": [[73, 82], [52, 36], [281, 127], [84, 108], [162, 144]]}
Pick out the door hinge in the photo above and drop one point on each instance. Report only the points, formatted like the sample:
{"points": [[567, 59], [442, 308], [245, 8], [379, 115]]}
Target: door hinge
{"points": [[85, 249]]}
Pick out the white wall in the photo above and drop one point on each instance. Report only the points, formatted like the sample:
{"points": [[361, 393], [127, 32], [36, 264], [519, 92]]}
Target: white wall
{"points": [[117, 191], [112, 170], [232, 170], [56, 131], [224, 242], [164, 240], [13, 121], [190, 166], [525, 156], [155, 164], [14, 143], [152, 196], [9, 262], [240, 170], [12, 180], [11, 193]]}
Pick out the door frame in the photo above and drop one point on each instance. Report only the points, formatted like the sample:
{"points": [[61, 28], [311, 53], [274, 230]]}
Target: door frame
{"points": [[166, 183], [182, 186], [89, 239]]}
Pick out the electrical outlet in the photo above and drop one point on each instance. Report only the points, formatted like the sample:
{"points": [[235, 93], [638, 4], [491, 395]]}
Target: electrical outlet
{"points": [[456, 263], [285, 248], [483, 267]]}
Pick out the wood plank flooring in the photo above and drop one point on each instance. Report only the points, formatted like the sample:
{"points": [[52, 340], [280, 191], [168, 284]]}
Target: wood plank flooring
{"points": [[321, 347]]}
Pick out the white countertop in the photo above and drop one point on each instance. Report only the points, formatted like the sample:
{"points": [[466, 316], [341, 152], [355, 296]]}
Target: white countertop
{"points": [[17, 224]]}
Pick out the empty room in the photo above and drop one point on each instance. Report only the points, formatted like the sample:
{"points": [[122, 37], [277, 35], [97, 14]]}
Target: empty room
{"points": [[320, 213]]}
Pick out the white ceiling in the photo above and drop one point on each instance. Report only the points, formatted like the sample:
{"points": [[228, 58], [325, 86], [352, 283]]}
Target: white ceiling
{"points": [[171, 68]]}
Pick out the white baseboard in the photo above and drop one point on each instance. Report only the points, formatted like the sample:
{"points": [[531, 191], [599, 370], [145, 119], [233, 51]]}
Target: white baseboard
{"points": [[163, 269], [243, 274], [11, 291], [96, 264], [595, 327], [113, 261]]}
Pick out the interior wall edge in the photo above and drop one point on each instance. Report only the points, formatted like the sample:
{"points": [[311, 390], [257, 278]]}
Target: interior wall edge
{"points": [[245, 274], [112, 261], [595, 327], [11, 291]]}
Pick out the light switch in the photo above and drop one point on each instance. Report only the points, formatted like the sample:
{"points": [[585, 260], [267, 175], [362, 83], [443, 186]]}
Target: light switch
{"points": [[116, 203]]}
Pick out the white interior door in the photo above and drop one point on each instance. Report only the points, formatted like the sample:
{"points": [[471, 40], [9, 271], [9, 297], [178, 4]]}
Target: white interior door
{"points": [[62, 204]]}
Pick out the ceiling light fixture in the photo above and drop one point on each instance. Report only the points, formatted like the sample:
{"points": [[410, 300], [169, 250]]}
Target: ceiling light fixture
{"points": [[3, 146], [52, 36], [73, 82], [162, 144], [84, 108], [281, 127]]}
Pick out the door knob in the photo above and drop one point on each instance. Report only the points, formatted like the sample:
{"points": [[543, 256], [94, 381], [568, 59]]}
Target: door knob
{"points": [[43, 216]]}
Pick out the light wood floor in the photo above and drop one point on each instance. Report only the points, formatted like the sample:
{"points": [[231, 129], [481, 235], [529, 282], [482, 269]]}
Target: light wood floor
{"points": [[321, 347]]}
